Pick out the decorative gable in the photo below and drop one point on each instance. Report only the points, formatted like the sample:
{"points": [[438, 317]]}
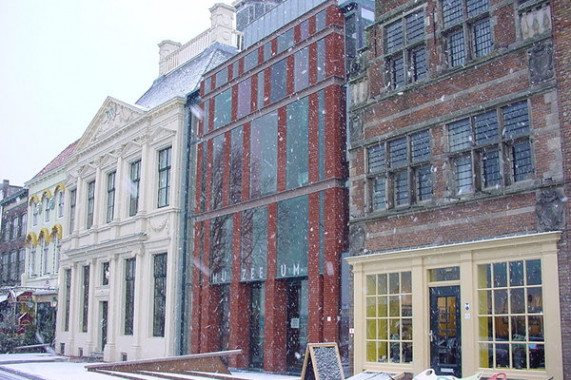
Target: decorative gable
{"points": [[111, 117]]}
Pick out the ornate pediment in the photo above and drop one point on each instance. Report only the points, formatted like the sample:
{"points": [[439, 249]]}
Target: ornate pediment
{"points": [[111, 117]]}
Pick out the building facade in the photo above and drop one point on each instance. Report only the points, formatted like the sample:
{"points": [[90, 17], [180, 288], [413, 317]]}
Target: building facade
{"points": [[458, 190], [270, 219], [12, 234], [120, 266]]}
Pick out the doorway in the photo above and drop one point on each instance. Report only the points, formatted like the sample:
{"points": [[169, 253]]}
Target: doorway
{"points": [[445, 334], [297, 305], [104, 311]]}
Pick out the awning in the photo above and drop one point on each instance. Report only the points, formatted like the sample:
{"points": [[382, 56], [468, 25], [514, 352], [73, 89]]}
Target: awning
{"points": [[3, 297]]}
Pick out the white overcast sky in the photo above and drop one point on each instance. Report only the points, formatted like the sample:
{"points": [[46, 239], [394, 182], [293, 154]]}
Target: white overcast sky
{"points": [[60, 59]]}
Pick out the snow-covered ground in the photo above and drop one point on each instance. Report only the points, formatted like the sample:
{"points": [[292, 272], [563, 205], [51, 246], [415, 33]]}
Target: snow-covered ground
{"points": [[54, 367]]}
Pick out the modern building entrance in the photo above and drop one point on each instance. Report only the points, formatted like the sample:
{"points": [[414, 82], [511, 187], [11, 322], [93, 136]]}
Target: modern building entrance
{"points": [[445, 335]]}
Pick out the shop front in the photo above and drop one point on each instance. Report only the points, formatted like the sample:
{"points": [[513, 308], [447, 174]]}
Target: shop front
{"points": [[483, 306]]}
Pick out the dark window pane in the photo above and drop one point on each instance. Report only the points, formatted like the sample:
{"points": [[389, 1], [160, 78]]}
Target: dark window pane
{"points": [[285, 40], [516, 119], [533, 272], [464, 178], [398, 152], [475, 7], [414, 27], [236, 152], [397, 71], [516, 273], [279, 79], [482, 38], [301, 71], [460, 135], [376, 158], [379, 193], [424, 183], [244, 97], [321, 60], [420, 146], [401, 188], [491, 169], [263, 154], [517, 300], [452, 11], [251, 60], [418, 66], [222, 108], [297, 153], [394, 38], [486, 128], [222, 77], [456, 49]]}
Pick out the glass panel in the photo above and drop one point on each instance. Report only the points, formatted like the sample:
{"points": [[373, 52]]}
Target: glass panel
{"points": [[500, 275], [244, 97], [424, 183], [518, 330], [482, 38], [379, 193], [491, 167], [398, 153], [522, 165], [406, 305], [420, 146], [371, 351], [397, 71], [263, 156], [254, 245], [500, 301], [485, 328], [502, 355], [221, 248], [394, 306], [460, 135], [414, 27], [382, 306], [236, 153], [445, 274], [301, 71], [517, 301], [533, 272], [516, 273], [278, 80], [251, 60], [222, 108], [285, 40], [292, 241], [382, 284], [401, 188], [485, 302], [371, 285], [222, 77], [519, 356], [536, 356], [456, 49], [464, 177], [371, 328], [486, 128], [321, 60], [371, 307], [534, 300], [394, 37], [218, 161], [536, 328], [376, 158], [406, 282], [516, 119], [320, 20], [383, 329], [394, 287], [452, 11], [297, 140], [261, 85], [476, 7], [418, 65]]}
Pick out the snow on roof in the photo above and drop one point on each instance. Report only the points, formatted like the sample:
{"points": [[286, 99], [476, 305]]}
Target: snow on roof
{"points": [[186, 78], [59, 160]]}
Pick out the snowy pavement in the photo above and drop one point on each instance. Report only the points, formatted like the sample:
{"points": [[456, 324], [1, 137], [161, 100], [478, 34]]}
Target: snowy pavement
{"points": [[38, 366]]}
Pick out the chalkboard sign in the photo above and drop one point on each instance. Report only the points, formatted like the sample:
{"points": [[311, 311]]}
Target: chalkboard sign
{"points": [[322, 362]]}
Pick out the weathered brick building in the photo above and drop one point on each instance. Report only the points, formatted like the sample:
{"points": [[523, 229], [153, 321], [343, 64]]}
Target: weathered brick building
{"points": [[458, 173]]}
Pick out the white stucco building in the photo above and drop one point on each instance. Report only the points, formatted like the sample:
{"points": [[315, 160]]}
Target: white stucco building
{"points": [[121, 260]]}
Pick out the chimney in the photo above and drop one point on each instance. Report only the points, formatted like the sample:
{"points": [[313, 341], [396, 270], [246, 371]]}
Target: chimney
{"points": [[222, 15]]}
